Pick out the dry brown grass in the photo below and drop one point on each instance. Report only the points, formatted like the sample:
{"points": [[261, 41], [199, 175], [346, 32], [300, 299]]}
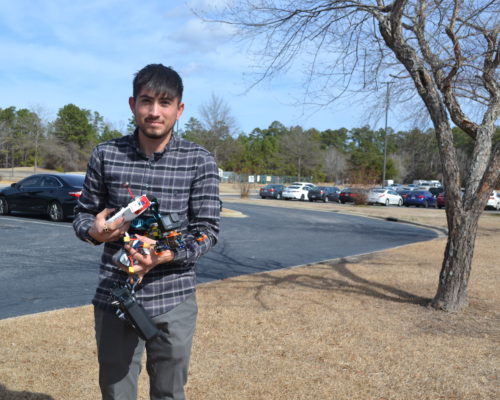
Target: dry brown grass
{"points": [[352, 329]]}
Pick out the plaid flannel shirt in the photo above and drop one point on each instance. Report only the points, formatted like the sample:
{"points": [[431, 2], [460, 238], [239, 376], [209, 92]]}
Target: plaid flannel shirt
{"points": [[184, 179]]}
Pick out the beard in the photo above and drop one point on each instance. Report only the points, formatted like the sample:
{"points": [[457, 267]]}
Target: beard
{"points": [[155, 132]]}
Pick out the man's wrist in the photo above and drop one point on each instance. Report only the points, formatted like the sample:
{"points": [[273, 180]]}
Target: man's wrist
{"points": [[89, 239]]}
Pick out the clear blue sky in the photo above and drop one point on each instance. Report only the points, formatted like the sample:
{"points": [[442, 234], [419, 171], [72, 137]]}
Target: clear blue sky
{"points": [[85, 52]]}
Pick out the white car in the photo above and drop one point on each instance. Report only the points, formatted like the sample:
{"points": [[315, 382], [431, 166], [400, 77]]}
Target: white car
{"points": [[303, 183], [385, 197], [296, 191], [494, 200]]}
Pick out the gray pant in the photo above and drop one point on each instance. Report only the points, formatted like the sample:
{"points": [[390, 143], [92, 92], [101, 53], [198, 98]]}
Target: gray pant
{"points": [[120, 350]]}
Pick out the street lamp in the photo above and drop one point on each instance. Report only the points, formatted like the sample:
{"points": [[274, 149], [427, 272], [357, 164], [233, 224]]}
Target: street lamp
{"points": [[385, 133]]}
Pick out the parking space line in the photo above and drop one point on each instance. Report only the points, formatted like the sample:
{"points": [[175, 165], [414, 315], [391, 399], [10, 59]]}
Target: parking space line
{"points": [[36, 222]]}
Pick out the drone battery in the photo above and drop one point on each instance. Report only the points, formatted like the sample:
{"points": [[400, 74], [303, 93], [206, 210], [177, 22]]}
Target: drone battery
{"points": [[121, 258], [134, 209]]}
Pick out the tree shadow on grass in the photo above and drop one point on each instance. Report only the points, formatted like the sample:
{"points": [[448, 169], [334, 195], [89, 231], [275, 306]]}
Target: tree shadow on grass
{"points": [[6, 394], [348, 282]]}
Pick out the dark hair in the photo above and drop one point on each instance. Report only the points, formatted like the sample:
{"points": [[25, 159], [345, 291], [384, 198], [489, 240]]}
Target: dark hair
{"points": [[160, 80]]}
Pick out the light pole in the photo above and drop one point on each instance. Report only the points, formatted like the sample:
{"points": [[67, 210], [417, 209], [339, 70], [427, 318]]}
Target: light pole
{"points": [[385, 133]]}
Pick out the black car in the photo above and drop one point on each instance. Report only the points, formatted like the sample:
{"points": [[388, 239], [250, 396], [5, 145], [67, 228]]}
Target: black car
{"points": [[52, 194], [273, 191], [436, 190], [324, 194], [352, 195]]}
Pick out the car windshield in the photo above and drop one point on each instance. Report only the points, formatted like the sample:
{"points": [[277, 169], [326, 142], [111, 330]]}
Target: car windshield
{"points": [[378, 190]]}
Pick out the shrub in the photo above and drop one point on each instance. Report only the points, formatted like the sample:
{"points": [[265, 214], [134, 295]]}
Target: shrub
{"points": [[361, 198]]}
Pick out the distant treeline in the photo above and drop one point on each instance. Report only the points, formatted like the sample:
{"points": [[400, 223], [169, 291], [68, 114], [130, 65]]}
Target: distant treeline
{"points": [[333, 155]]}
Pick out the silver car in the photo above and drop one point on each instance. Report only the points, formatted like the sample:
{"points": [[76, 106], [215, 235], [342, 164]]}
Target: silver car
{"points": [[384, 197]]}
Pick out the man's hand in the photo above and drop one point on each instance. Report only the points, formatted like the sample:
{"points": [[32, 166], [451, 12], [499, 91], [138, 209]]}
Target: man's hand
{"points": [[143, 263], [111, 232]]}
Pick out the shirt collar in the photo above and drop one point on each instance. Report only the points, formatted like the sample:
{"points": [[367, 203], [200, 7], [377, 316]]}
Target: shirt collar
{"points": [[172, 144]]}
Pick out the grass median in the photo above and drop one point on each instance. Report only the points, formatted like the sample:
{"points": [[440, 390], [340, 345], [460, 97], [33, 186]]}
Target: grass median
{"points": [[355, 328]]}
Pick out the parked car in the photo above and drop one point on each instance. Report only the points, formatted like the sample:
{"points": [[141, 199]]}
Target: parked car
{"points": [[404, 193], [435, 190], [52, 194], [384, 197], [420, 198], [272, 191], [297, 192], [303, 183], [440, 200], [349, 195], [324, 194], [396, 186], [494, 200]]}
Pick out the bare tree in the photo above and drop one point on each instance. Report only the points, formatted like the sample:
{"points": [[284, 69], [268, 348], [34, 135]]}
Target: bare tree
{"points": [[446, 52], [335, 165], [219, 127]]}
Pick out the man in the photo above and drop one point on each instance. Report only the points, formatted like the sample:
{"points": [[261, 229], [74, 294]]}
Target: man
{"points": [[183, 177]]}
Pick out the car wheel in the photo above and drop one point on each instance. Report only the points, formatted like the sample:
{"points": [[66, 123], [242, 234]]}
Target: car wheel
{"points": [[386, 202], [263, 197], [55, 211], [400, 203], [4, 207]]}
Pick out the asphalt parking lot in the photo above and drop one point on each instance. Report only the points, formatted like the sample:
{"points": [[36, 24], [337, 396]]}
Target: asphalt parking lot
{"points": [[45, 267]]}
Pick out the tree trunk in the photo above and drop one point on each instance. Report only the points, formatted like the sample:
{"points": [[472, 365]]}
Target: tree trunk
{"points": [[455, 271]]}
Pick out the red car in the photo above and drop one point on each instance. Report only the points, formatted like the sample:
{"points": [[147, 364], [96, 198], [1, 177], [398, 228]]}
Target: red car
{"points": [[440, 201]]}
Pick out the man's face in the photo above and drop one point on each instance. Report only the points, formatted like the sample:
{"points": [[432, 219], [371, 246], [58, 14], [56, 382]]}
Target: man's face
{"points": [[155, 115]]}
